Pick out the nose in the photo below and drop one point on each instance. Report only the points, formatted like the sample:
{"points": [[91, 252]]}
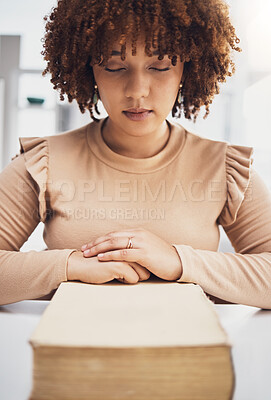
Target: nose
{"points": [[137, 85]]}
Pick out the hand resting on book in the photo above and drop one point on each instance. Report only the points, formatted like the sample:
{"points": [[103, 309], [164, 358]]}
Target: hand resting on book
{"points": [[149, 250], [91, 270]]}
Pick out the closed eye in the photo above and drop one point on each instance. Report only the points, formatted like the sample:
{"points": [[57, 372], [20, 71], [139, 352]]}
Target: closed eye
{"points": [[120, 69]]}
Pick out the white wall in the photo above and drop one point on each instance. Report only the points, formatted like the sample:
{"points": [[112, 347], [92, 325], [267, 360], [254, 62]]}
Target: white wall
{"points": [[2, 88], [25, 18], [9, 65]]}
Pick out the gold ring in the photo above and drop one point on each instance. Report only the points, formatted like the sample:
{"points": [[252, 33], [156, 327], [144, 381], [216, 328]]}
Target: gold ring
{"points": [[130, 244]]}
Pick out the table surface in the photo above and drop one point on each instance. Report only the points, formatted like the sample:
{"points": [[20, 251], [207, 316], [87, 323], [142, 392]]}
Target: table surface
{"points": [[248, 328]]}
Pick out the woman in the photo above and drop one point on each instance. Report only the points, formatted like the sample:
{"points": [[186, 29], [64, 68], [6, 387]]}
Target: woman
{"points": [[134, 194]]}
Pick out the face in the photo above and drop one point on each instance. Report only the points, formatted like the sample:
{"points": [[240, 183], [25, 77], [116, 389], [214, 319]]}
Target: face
{"points": [[139, 82]]}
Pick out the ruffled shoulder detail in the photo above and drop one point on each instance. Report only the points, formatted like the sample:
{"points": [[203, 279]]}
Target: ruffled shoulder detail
{"points": [[238, 161], [36, 155]]}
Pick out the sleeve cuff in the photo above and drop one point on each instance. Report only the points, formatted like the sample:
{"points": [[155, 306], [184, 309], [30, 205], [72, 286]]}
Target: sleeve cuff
{"points": [[183, 252], [69, 252]]}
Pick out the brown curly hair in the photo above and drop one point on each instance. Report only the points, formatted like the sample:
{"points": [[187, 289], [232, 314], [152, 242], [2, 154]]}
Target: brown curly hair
{"points": [[81, 33]]}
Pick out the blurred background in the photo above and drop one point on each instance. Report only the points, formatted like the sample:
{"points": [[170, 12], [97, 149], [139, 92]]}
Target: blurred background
{"points": [[239, 114]]}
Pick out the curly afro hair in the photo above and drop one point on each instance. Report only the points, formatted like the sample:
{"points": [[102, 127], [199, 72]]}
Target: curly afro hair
{"points": [[81, 33]]}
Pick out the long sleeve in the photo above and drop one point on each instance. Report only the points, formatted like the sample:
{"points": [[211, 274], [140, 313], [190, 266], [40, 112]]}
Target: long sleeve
{"points": [[32, 274], [245, 276]]}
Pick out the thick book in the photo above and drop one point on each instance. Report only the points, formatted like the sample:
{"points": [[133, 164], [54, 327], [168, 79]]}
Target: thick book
{"points": [[154, 340]]}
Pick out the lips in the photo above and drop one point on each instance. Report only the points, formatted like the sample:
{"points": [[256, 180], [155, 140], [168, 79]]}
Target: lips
{"points": [[136, 110], [138, 115]]}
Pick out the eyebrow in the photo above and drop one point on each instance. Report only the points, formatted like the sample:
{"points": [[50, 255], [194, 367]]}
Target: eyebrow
{"points": [[118, 53]]}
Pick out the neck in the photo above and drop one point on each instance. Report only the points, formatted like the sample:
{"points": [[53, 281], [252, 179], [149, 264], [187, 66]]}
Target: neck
{"points": [[131, 146]]}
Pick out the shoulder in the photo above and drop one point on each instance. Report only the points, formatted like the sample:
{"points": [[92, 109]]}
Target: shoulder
{"points": [[219, 161], [69, 138], [42, 155], [53, 151], [64, 140], [208, 150]]}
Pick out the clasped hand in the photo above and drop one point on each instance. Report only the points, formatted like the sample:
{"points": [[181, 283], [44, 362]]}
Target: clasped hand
{"points": [[149, 252]]}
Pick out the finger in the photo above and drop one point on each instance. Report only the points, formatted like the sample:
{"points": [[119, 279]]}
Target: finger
{"points": [[127, 233], [94, 242], [134, 255], [111, 244], [125, 273]]}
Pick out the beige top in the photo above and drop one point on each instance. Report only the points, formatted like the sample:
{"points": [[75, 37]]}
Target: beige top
{"points": [[81, 189]]}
